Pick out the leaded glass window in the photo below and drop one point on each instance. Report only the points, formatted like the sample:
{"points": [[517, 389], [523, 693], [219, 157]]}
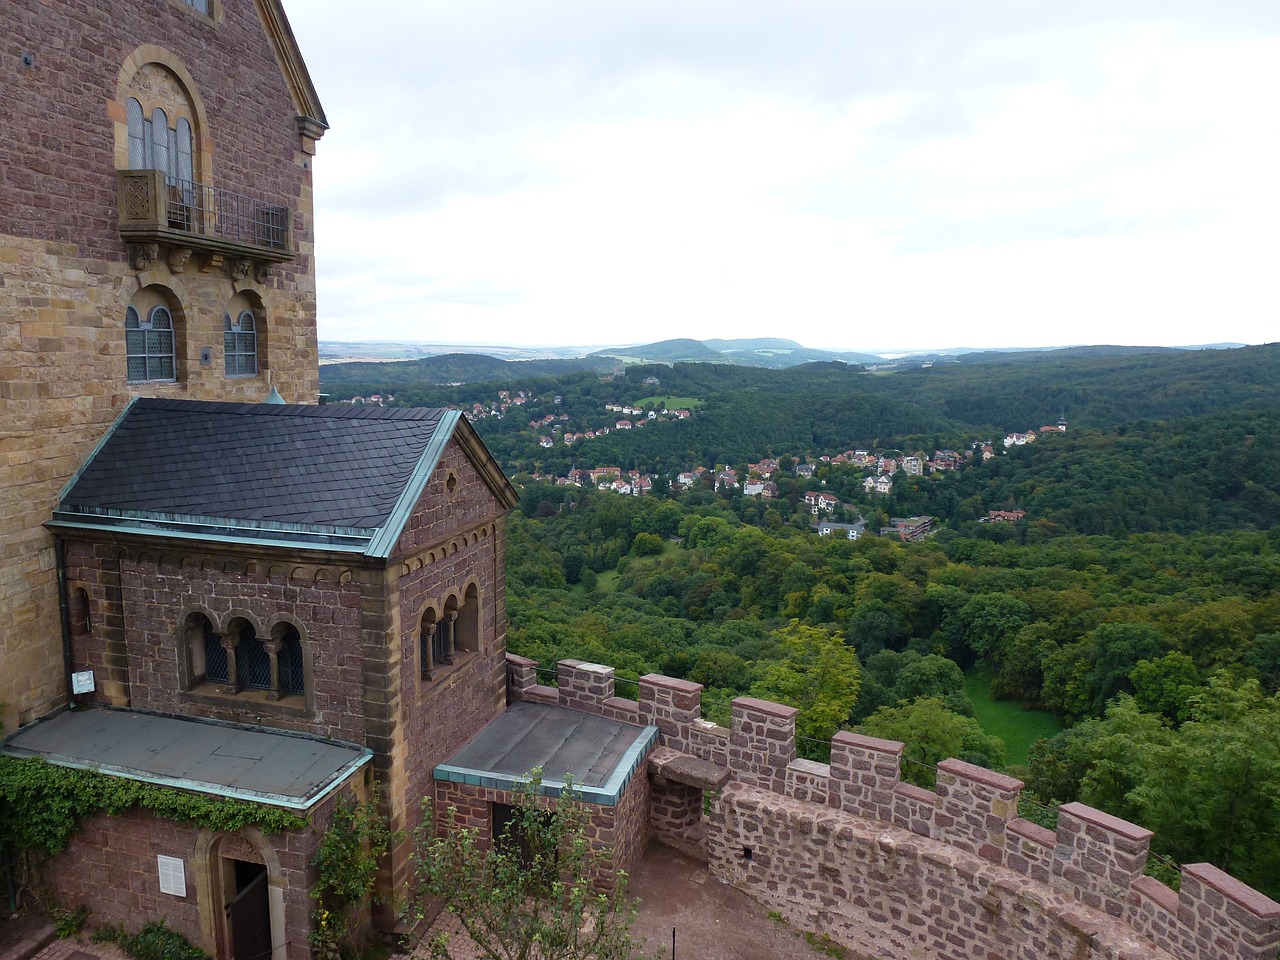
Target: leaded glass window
{"points": [[149, 345], [253, 664], [292, 675], [216, 666], [240, 344], [440, 642], [154, 145]]}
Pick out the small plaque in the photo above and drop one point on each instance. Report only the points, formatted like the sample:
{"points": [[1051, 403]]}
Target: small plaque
{"points": [[173, 875], [82, 682]]}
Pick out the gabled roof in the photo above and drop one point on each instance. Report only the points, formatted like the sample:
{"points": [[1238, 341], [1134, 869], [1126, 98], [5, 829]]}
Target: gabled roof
{"points": [[339, 477], [305, 99]]}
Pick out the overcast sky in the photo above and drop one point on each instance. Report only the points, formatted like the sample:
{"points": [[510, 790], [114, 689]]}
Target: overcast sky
{"points": [[897, 174]]}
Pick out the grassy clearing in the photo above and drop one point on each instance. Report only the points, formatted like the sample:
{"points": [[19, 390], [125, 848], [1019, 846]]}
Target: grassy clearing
{"points": [[1018, 728]]}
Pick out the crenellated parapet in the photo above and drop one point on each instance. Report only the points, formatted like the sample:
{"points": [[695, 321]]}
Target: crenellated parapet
{"points": [[847, 848]]}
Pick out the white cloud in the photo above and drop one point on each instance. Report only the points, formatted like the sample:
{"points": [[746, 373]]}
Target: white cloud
{"points": [[857, 175]]}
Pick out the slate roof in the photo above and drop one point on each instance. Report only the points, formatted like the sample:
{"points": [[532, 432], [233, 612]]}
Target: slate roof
{"points": [[335, 474]]}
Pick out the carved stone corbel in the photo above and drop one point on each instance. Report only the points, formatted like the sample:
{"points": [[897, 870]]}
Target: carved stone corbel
{"points": [[142, 255], [178, 257], [239, 269], [211, 263], [261, 271]]}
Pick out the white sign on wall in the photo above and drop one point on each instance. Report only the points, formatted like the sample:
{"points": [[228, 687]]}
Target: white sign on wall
{"points": [[82, 682], [173, 875]]}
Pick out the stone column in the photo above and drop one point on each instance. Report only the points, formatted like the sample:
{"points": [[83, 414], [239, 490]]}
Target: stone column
{"points": [[273, 648], [426, 650]]}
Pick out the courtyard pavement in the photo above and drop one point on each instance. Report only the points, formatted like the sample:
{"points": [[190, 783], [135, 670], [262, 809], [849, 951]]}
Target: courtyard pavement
{"points": [[711, 921]]}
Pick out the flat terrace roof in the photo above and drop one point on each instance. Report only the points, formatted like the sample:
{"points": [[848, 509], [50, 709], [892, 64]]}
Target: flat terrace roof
{"points": [[279, 768], [600, 755]]}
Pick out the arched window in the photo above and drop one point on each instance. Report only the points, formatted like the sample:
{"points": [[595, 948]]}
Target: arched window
{"points": [[245, 661], [467, 626], [149, 345], [240, 344], [154, 145], [253, 663], [185, 162], [291, 679], [138, 158], [206, 656], [161, 136]]}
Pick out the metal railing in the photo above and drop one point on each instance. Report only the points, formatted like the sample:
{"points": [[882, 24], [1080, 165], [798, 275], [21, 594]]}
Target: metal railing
{"points": [[196, 207]]}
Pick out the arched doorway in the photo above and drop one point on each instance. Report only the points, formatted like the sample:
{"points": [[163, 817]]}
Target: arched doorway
{"points": [[246, 897]]}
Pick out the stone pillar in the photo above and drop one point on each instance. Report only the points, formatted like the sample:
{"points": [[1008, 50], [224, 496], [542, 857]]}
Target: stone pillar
{"points": [[522, 674], [273, 648], [426, 650], [1098, 856], [450, 635], [762, 742], [975, 807], [672, 706], [229, 643], [584, 686], [864, 772], [1227, 918]]}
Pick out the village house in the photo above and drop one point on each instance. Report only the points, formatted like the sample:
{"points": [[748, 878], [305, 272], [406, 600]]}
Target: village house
{"points": [[850, 531], [908, 529], [821, 502], [1003, 516]]}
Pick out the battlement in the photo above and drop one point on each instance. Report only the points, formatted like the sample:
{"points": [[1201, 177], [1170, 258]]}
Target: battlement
{"points": [[965, 833]]}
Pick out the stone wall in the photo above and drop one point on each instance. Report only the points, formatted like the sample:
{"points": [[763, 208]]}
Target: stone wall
{"points": [[111, 865], [897, 872], [139, 600], [65, 277], [454, 540], [618, 834]]}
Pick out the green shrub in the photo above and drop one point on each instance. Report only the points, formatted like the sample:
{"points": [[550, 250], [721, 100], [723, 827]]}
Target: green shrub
{"points": [[157, 941]]}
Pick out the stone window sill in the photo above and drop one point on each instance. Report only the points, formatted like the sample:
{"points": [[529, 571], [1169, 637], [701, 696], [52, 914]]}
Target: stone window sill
{"points": [[262, 701], [442, 672]]}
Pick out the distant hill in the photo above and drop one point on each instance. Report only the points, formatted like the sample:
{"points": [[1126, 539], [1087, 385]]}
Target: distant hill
{"points": [[772, 353], [666, 351], [451, 368], [435, 366]]}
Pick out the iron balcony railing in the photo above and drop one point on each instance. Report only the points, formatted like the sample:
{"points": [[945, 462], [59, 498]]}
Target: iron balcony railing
{"points": [[154, 206]]}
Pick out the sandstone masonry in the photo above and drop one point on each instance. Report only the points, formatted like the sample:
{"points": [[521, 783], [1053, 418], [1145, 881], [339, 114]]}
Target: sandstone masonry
{"points": [[896, 872]]}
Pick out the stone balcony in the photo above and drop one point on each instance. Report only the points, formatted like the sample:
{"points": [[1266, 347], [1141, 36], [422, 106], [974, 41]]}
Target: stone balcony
{"points": [[166, 216]]}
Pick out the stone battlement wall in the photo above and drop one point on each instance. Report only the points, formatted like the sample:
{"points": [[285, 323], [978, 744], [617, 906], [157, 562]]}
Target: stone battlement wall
{"points": [[847, 849]]}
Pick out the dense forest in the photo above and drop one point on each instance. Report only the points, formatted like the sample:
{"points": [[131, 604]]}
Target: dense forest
{"points": [[1136, 601]]}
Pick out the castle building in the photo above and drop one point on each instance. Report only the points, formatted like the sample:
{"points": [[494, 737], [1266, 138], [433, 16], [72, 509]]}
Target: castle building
{"points": [[216, 586], [155, 241]]}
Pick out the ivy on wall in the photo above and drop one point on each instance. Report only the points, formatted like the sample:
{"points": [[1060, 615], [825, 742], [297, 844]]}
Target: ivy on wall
{"points": [[41, 805]]}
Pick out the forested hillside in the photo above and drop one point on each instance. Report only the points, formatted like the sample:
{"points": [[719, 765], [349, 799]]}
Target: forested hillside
{"points": [[1162, 651], [1129, 587]]}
